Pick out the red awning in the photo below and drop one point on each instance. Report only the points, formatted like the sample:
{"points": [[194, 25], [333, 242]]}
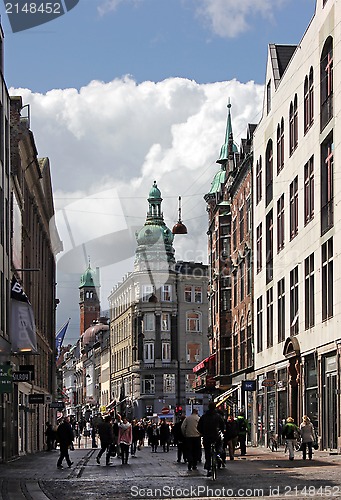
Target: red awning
{"points": [[202, 363]]}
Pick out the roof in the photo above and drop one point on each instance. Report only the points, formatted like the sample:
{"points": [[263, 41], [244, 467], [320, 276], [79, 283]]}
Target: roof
{"points": [[218, 180]]}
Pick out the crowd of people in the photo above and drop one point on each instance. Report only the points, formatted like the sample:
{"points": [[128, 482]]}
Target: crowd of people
{"points": [[121, 438]]}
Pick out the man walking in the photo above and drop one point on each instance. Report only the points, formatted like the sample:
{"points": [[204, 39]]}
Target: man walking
{"points": [[106, 436], [243, 429], [65, 439], [189, 429], [210, 425]]}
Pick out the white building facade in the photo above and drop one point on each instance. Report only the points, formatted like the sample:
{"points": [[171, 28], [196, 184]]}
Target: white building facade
{"points": [[297, 213]]}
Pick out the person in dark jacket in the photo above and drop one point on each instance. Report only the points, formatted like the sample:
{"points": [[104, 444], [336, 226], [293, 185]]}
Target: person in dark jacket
{"points": [[211, 426], [50, 436], [231, 435], [290, 433], [165, 435], [106, 436], [65, 439], [179, 439]]}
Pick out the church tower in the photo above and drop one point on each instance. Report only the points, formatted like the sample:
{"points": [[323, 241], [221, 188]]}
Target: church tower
{"points": [[89, 303]]}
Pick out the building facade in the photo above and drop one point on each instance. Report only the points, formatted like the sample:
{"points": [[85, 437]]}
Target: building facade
{"points": [[158, 325], [296, 219]]}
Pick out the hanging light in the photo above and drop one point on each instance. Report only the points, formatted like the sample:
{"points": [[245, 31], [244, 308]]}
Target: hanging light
{"points": [[179, 227]]}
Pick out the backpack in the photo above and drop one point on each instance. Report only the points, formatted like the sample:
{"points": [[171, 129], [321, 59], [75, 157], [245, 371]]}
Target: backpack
{"points": [[241, 425]]}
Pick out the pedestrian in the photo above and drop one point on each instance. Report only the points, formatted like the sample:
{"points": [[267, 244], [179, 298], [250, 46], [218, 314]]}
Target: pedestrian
{"points": [[141, 435], [211, 427], [189, 429], [308, 437], [65, 439], [164, 436], [290, 433], [125, 437], [154, 437], [243, 429], [50, 436], [106, 436], [231, 435], [179, 440]]}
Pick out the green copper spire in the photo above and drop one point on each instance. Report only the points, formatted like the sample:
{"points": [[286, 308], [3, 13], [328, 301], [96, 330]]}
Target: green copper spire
{"points": [[88, 278], [224, 151]]}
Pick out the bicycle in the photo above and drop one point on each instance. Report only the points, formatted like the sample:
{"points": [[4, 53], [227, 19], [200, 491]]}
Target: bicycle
{"points": [[272, 441]]}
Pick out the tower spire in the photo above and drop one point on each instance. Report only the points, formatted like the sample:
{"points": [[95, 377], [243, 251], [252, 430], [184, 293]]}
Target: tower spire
{"points": [[225, 149]]}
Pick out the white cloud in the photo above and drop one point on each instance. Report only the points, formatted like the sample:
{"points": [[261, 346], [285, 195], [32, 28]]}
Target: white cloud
{"points": [[230, 18], [112, 140], [111, 5]]}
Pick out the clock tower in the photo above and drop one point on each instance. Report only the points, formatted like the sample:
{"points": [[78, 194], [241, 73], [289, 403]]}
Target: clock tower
{"points": [[89, 303]]}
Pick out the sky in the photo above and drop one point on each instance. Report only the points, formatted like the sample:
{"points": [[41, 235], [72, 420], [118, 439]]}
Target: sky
{"points": [[125, 92]]}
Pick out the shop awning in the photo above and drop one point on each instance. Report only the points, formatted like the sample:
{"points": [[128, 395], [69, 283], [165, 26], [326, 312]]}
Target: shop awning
{"points": [[219, 400], [201, 365]]}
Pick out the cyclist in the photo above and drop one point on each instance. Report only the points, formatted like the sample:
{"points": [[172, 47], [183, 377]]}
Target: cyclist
{"points": [[211, 427]]}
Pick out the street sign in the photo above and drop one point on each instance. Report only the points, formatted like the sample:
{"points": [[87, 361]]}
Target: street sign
{"points": [[21, 376], [36, 399], [165, 410], [268, 382], [249, 385], [57, 404]]}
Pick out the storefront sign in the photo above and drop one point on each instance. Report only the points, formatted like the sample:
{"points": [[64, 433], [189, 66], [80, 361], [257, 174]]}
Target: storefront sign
{"points": [[36, 399], [22, 376], [268, 382], [5, 378], [249, 385]]}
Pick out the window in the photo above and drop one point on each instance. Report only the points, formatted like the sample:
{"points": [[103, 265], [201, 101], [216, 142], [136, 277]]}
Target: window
{"points": [[327, 279], [248, 215], [165, 322], [259, 247], [149, 322], [169, 383], [242, 280], [149, 352], [295, 122], [235, 348], [234, 233], [166, 293], [235, 287], [309, 100], [268, 173], [147, 292], [193, 294], [269, 246], [193, 352], [309, 191], [242, 345], [326, 76], [280, 223], [291, 129], [148, 384], [280, 146], [241, 223], [166, 352], [249, 274], [327, 184], [268, 97], [269, 318], [193, 321], [294, 208], [259, 324], [259, 180], [294, 319], [281, 310], [189, 382], [309, 292]]}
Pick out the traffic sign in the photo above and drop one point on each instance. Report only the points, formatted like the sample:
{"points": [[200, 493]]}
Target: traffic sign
{"points": [[165, 410]]}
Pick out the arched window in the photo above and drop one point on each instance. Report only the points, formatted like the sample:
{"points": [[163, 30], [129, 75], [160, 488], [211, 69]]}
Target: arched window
{"points": [[249, 343], [311, 96], [242, 344], [291, 129], [306, 104], [280, 146], [269, 172], [295, 122], [259, 180], [326, 83]]}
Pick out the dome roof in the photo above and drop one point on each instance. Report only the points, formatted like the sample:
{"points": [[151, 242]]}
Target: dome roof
{"points": [[155, 192], [152, 234], [90, 333]]}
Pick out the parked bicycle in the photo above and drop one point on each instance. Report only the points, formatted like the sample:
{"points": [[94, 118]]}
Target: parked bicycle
{"points": [[272, 441]]}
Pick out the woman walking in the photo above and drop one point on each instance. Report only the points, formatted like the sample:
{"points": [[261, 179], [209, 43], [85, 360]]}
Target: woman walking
{"points": [[125, 438], [308, 437]]}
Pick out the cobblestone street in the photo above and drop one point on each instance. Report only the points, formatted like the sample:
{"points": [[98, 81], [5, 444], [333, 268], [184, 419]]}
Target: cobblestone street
{"points": [[260, 474]]}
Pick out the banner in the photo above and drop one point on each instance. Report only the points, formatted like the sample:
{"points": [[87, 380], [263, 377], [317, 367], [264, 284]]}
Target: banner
{"points": [[22, 324], [60, 337]]}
